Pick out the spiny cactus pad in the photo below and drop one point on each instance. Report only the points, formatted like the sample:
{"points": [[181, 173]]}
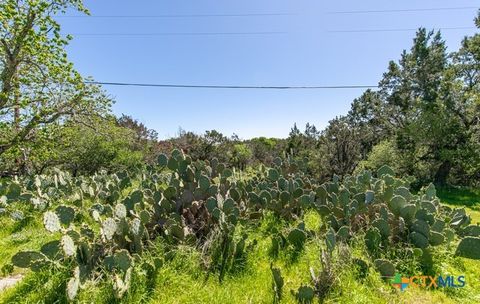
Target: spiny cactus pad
{"points": [[66, 214], [24, 259], [305, 294], [418, 239], [51, 249], [162, 160], [273, 175], [51, 221], [472, 230], [121, 284], [436, 238], [68, 245], [397, 203], [385, 170], [372, 239], [469, 247], [297, 237], [385, 267], [330, 239], [277, 282], [73, 285], [120, 211], [382, 226], [122, 259], [109, 227]]}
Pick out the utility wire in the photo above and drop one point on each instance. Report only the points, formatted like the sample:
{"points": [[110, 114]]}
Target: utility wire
{"points": [[254, 33], [231, 86], [406, 10], [179, 16], [399, 30], [268, 14], [176, 34]]}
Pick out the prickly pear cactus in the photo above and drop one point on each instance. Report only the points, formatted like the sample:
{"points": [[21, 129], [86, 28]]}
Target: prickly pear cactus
{"points": [[51, 221], [73, 285], [469, 247], [385, 267]]}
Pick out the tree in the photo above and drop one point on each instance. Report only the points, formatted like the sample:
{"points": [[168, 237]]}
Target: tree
{"points": [[339, 150], [241, 155], [420, 106], [144, 139], [368, 116], [38, 85], [384, 153], [102, 144], [264, 150], [428, 104]]}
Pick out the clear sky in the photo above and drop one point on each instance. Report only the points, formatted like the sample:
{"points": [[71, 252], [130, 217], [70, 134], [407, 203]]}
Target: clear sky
{"points": [[304, 50]]}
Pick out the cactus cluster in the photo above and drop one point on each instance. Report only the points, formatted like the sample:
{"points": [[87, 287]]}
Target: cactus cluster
{"points": [[384, 209], [202, 203]]}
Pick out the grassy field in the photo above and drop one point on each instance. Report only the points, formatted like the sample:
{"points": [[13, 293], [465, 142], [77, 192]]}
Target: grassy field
{"points": [[183, 280], [461, 197]]}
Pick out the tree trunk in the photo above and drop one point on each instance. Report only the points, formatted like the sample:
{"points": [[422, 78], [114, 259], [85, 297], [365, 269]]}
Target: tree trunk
{"points": [[442, 173]]}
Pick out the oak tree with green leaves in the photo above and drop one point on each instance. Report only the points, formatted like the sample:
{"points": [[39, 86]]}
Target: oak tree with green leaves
{"points": [[38, 85]]}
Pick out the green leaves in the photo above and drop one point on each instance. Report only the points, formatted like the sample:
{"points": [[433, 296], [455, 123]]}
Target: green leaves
{"points": [[34, 53]]}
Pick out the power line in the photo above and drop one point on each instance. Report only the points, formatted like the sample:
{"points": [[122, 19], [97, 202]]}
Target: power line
{"points": [[177, 34], [180, 15], [190, 86], [405, 10], [398, 30], [255, 33]]}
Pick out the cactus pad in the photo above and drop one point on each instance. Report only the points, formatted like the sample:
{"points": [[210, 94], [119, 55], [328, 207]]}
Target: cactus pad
{"points": [[51, 221], [469, 247]]}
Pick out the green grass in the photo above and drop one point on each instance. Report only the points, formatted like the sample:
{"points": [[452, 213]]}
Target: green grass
{"points": [[462, 197], [27, 234], [183, 280]]}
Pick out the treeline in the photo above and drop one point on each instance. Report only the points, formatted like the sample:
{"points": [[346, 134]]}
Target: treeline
{"points": [[423, 121]]}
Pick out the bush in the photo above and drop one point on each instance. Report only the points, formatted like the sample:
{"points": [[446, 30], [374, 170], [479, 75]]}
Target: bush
{"points": [[384, 153]]}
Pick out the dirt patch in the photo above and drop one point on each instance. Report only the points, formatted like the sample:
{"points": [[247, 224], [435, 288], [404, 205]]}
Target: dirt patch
{"points": [[9, 281]]}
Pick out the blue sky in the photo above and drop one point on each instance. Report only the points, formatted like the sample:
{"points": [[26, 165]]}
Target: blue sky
{"points": [[305, 52]]}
